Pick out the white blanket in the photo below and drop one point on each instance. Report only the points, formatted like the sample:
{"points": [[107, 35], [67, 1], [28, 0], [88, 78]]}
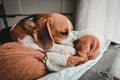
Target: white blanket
{"points": [[74, 73]]}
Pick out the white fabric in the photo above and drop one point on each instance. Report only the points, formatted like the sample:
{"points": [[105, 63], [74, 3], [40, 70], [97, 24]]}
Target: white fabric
{"points": [[102, 16], [74, 73]]}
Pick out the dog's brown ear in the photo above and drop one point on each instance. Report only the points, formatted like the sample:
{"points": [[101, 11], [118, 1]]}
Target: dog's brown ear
{"points": [[42, 34]]}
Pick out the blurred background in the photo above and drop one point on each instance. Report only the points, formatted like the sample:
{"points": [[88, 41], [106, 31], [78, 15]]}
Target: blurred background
{"points": [[100, 15]]}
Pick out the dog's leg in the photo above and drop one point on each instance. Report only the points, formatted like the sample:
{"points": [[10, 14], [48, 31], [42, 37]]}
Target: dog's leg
{"points": [[28, 41], [57, 58], [57, 61], [63, 49]]}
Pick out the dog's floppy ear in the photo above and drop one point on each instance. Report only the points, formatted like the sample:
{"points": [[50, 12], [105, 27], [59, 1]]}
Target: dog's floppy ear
{"points": [[42, 34]]}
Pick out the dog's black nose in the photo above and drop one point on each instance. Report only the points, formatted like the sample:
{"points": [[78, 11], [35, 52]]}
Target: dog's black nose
{"points": [[75, 41]]}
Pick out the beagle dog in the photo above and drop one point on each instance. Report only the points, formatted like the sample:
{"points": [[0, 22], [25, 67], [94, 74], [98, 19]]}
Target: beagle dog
{"points": [[43, 30], [46, 32]]}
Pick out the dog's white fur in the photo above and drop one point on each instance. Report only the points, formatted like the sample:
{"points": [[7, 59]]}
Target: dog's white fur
{"points": [[28, 41]]}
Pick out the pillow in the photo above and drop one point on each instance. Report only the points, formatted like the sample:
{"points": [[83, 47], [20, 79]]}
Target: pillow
{"points": [[20, 63]]}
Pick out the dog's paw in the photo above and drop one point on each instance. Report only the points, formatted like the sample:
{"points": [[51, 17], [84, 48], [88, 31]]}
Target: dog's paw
{"points": [[73, 60]]}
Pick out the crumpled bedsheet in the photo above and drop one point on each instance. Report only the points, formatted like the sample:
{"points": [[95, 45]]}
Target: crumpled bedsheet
{"points": [[74, 73]]}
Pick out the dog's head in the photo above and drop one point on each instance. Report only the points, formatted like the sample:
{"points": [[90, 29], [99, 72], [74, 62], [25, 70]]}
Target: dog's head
{"points": [[47, 28], [51, 28]]}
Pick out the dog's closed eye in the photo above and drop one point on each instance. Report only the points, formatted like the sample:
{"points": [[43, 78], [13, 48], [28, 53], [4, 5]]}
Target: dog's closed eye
{"points": [[64, 33]]}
